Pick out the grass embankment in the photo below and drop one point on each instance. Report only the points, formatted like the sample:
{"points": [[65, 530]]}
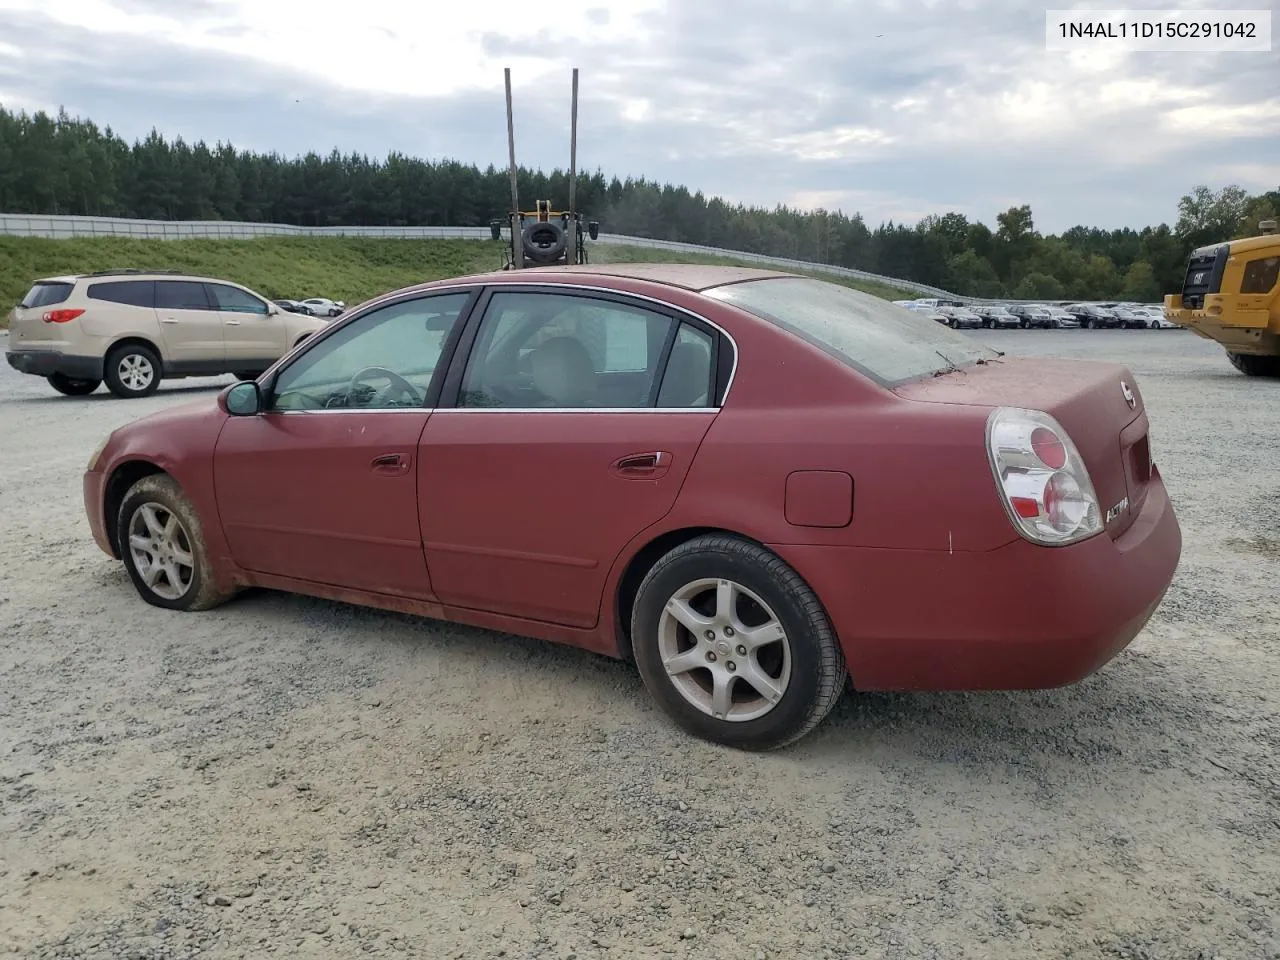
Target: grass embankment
{"points": [[351, 269]]}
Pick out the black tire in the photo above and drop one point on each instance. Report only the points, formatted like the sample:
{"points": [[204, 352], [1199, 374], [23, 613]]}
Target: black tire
{"points": [[71, 386], [138, 358], [247, 374], [161, 492], [952, 323], [1254, 365], [816, 664], [543, 242]]}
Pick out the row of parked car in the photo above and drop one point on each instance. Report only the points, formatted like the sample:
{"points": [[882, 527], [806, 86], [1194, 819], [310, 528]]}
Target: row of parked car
{"points": [[315, 307], [1129, 316]]}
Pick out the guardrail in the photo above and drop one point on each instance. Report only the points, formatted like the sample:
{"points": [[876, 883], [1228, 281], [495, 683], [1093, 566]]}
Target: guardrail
{"points": [[65, 227]]}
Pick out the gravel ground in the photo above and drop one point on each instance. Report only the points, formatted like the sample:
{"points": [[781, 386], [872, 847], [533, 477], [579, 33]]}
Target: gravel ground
{"points": [[285, 775]]}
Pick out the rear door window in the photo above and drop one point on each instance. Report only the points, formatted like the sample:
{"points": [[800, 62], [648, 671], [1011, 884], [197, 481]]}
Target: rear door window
{"points": [[46, 294], [135, 293], [233, 299], [181, 295]]}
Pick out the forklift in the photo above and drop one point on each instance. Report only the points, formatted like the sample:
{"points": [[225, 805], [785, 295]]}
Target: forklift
{"points": [[544, 237]]}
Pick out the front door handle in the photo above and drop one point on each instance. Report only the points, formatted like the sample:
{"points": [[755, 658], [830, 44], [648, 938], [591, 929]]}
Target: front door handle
{"points": [[640, 461], [233, 323], [643, 464], [391, 465], [168, 319]]}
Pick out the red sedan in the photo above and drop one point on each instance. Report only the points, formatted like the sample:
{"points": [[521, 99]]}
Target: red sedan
{"points": [[752, 484]]}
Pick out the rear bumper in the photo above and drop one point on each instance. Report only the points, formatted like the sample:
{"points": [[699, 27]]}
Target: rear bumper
{"points": [[1019, 617], [45, 363]]}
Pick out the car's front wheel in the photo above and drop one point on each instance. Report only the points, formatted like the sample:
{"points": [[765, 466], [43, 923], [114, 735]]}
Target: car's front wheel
{"points": [[159, 538], [132, 371], [734, 645], [73, 386]]}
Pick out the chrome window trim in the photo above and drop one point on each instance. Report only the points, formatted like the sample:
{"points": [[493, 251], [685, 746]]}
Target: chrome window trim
{"points": [[472, 410], [394, 297]]}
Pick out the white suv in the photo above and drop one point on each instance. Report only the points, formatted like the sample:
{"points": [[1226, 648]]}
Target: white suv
{"points": [[133, 329]]}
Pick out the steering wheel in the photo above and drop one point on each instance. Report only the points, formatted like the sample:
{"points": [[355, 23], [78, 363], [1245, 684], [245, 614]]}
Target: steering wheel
{"points": [[398, 383]]}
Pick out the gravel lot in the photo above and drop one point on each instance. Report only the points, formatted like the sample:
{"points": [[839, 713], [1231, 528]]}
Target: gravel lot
{"points": [[285, 775]]}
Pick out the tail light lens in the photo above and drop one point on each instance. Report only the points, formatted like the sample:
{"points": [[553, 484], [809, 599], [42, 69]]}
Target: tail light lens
{"points": [[61, 316], [1041, 477]]}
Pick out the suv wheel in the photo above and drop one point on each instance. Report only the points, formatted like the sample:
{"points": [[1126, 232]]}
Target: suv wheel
{"points": [[132, 371], [73, 387]]}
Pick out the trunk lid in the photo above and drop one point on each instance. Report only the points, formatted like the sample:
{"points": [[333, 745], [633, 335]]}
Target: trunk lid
{"points": [[1092, 402]]}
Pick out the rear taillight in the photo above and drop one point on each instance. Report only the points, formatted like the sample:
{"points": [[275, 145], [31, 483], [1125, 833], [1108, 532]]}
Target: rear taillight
{"points": [[61, 316], [1041, 478]]}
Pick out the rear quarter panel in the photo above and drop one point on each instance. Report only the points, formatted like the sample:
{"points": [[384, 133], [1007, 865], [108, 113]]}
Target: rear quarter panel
{"points": [[105, 324]]}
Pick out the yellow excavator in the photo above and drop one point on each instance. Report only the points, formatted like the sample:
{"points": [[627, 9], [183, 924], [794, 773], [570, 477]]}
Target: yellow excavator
{"points": [[1231, 295]]}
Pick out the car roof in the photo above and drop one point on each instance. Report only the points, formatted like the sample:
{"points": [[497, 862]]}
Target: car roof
{"points": [[688, 276], [131, 274]]}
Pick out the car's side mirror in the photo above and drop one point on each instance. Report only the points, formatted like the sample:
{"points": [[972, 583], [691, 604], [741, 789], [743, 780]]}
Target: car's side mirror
{"points": [[273, 310], [243, 399]]}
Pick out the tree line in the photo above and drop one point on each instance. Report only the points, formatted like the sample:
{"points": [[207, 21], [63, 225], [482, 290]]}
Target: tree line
{"points": [[68, 165]]}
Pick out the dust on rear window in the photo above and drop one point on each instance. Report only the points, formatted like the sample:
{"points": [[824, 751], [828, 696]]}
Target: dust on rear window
{"points": [[882, 340], [46, 294]]}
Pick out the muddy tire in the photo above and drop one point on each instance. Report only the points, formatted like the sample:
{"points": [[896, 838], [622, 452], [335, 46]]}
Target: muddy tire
{"points": [[159, 538], [734, 646], [71, 386]]}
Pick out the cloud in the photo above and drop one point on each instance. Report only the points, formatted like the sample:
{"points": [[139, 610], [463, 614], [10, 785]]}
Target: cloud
{"points": [[895, 108]]}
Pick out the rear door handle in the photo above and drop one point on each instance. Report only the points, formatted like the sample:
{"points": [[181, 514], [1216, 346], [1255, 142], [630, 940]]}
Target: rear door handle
{"points": [[387, 460], [233, 323], [168, 319]]}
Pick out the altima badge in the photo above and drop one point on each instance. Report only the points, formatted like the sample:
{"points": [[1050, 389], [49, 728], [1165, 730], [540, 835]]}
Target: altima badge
{"points": [[1118, 509], [1129, 398]]}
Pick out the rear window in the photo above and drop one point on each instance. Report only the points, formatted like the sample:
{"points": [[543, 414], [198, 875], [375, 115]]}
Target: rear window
{"points": [[45, 294], [135, 293], [886, 343]]}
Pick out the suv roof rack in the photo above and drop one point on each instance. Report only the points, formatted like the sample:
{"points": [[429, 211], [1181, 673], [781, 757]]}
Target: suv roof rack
{"points": [[130, 270]]}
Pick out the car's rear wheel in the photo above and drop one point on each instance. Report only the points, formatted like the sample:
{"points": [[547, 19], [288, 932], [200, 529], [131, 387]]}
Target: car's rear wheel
{"points": [[73, 386], [132, 371], [159, 538], [734, 645]]}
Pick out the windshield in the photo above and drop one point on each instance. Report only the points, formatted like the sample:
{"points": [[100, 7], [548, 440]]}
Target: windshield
{"points": [[883, 341]]}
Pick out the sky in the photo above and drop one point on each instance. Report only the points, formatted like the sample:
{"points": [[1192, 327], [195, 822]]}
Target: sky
{"points": [[895, 109]]}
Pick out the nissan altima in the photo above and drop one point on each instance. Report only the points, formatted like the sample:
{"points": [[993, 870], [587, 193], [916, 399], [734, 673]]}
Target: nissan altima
{"points": [[761, 488]]}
